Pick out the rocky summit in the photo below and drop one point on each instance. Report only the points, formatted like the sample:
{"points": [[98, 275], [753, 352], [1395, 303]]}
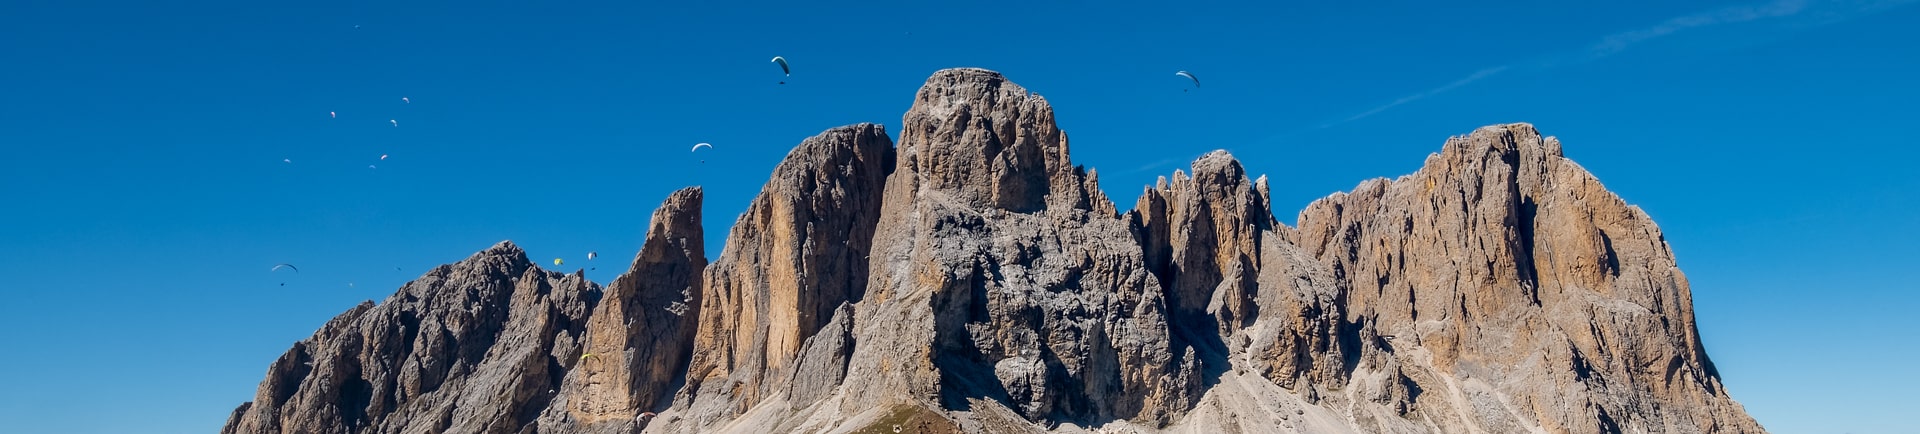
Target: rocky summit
{"points": [[971, 278]]}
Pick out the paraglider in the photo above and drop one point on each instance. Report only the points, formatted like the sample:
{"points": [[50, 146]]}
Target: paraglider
{"points": [[591, 255], [405, 100], [396, 122], [370, 166], [289, 160], [383, 157], [783, 67], [583, 357], [1189, 76], [557, 261], [697, 148], [278, 267], [334, 115]]}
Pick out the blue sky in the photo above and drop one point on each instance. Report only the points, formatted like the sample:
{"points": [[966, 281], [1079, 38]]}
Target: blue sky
{"points": [[146, 193]]}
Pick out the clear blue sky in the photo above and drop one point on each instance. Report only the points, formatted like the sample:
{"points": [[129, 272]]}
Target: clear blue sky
{"points": [[146, 195]]}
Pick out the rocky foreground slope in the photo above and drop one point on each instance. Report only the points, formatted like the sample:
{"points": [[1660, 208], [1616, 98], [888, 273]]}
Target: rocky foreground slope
{"points": [[971, 278]]}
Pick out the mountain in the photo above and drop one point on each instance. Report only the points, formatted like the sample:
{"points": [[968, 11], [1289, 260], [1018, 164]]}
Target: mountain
{"points": [[971, 278]]}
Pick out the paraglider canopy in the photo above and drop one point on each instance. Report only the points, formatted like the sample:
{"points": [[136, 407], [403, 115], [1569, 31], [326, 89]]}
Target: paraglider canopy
{"points": [[697, 147], [783, 65], [1189, 76], [557, 261], [278, 267], [591, 255]]}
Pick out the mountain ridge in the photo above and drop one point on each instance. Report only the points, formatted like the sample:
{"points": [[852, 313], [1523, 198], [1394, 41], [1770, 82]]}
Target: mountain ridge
{"points": [[971, 278]]}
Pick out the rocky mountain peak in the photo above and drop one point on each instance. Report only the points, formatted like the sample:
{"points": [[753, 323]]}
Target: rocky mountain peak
{"points": [[983, 141], [638, 339], [793, 262], [972, 279]]}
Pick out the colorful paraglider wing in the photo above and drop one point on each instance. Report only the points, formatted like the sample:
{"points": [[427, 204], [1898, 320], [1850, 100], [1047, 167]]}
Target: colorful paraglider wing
{"points": [[783, 65], [1189, 76], [557, 261]]}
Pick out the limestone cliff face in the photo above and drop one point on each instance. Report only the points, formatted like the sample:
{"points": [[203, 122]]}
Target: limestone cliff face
{"points": [[472, 347], [1240, 291], [973, 279], [1526, 287], [1004, 276], [796, 257], [639, 338]]}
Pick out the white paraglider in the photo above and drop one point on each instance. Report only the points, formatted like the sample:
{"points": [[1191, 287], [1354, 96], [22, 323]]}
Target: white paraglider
{"points": [[1189, 76], [783, 67]]}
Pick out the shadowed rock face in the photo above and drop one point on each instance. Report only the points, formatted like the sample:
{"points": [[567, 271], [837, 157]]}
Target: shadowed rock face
{"points": [[972, 279], [796, 257], [1004, 276], [639, 339]]}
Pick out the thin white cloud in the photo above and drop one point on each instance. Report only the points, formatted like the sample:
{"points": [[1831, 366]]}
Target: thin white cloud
{"points": [[1851, 9], [1470, 78], [1153, 165], [1618, 42], [1818, 12]]}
